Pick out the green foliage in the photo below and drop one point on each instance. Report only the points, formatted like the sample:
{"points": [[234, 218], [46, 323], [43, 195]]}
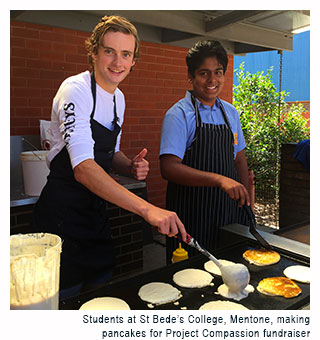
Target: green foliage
{"points": [[267, 122]]}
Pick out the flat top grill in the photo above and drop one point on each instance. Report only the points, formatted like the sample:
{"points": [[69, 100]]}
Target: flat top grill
{"points": [[193, 298]]}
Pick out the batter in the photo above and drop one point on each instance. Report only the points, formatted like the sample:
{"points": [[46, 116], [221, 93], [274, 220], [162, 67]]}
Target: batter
{"points": [[298, 273], [192, 278], [222, 305], [105, 303], [159, 293], [212, 268], [224, 291]]}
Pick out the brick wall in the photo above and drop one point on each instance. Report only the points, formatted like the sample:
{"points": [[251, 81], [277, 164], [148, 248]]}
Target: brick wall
{"points": [[43, 56]]}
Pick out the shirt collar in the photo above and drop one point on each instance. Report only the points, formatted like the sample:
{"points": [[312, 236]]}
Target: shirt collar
{"points": [[201, 105]]}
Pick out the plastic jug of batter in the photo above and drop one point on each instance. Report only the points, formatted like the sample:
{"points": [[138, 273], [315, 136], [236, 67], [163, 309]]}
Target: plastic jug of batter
{"points": [[34, 271]]}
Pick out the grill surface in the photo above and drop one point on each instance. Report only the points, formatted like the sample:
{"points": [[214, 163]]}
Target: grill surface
{"points": [[195, 297]]}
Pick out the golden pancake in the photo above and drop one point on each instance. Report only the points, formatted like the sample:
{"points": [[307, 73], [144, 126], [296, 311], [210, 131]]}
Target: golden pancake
{"points": [[281, 286], [261, 257]]}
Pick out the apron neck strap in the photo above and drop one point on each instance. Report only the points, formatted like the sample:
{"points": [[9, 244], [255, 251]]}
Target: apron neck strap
{"points": [[93, 91], [196, 109], [94, 96], [197, 114], [224, 114], [115, 116]]}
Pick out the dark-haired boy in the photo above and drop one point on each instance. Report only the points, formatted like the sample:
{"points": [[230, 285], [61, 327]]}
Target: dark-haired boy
{"points": [[202, 151]]}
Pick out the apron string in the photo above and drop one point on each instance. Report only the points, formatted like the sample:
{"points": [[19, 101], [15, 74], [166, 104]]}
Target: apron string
{"points": [[224, 114], [93, 91]]}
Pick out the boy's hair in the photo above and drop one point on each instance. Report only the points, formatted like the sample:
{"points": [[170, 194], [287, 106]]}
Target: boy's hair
{"points": [[112, 23], [204, 49]]}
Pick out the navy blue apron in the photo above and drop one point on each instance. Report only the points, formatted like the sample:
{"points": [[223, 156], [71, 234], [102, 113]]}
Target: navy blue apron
{"points": [[203, 210], [68, 209]]}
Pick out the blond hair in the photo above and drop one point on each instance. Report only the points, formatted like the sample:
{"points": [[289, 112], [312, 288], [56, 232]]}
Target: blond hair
{"points": [[111, 23]]}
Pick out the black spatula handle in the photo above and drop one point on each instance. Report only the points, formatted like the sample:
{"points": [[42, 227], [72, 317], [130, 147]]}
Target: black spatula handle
{"points": [[252, 227]]}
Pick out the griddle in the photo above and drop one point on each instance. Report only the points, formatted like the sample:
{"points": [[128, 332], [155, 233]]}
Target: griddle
{"points": [[193, 298]]}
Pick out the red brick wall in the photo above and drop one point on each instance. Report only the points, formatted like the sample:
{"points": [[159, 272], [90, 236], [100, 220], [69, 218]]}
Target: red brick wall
{"points": [[43, 56]]}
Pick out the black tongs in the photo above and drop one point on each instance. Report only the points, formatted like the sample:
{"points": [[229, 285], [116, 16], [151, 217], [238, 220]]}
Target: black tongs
{"points": [[252, 227]]}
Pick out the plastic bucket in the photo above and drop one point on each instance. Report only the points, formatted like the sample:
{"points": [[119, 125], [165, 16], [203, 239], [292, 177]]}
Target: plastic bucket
{"points": [[34, 170], [34, 271]]}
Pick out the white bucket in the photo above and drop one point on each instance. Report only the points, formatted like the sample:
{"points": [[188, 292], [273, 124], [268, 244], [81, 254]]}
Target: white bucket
{"points": [[35, 171]]}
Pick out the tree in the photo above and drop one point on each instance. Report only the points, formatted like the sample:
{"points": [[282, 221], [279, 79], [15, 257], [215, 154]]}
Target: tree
{"points": [[267, 122]]}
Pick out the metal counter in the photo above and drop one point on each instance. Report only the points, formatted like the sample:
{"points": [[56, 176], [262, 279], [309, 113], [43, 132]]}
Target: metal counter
{"points": [[293, 246], [19, 198], [17, 195]]}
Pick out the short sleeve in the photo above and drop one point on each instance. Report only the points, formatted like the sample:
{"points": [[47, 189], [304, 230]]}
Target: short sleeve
{"points": [[240, 143], [174, 133]]}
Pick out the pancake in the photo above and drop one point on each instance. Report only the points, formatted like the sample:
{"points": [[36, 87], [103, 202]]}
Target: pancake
{"points": [[224, 291], [159, 293], [105, 303], [298, 273], [192, 278], [261, 257], [222, 305], [212, 268], [280, 286]]}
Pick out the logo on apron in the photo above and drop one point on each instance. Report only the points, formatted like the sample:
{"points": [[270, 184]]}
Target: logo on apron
{"points": [[235, 137]]}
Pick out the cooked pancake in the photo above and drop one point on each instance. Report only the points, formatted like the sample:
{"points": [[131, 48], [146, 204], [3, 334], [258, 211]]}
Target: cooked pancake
{"points": [[211, 267], [281, 286], [159, 293], [105, 303], [261, 257], [298, 273], [192, 278], [222, 305]]}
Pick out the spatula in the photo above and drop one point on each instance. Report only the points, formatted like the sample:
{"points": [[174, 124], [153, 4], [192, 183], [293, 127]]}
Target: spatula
{"points": [[235, 276], [252, 227]]}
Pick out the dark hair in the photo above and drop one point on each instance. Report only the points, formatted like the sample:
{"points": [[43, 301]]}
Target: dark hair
{"points": [[205, 49], [112, 23]]}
